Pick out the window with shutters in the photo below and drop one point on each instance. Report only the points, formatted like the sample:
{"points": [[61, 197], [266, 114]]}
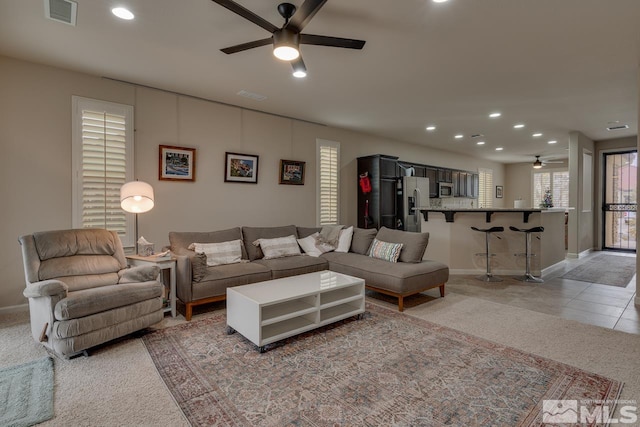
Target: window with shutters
{"points": [[557, 182], [485, 188], [328, 179], [102, 156]]}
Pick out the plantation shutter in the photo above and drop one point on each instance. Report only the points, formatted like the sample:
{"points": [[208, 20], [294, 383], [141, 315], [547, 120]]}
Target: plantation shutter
{"points": [[103, 162], [541, 183], [328, 182], [561, 189], [485, 188]]}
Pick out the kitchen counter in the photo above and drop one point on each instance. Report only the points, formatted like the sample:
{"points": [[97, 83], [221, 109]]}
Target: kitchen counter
{"points": [[455, 244], [449, 213]]}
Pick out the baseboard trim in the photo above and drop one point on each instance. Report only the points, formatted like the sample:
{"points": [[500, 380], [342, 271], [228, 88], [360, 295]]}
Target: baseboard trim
{"points": [[553, 268], [15, 309]]}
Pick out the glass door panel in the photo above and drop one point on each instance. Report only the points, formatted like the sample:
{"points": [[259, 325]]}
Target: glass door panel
{"points": [[620, 201]]}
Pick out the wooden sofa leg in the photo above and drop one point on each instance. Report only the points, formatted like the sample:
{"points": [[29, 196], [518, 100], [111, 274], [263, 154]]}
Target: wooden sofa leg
{"points": [[400, 303], [442, 291], [188, 311]]}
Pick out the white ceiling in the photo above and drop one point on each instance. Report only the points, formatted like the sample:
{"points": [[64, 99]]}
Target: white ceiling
{"points": [[554, 65]]}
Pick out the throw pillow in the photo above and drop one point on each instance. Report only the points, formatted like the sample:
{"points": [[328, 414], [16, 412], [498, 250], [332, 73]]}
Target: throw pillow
{"points": [[220, 253], [385, 250], [344, 240], [414, 244], [308, 245], [361, 241], [279, 247], [198, 266]]}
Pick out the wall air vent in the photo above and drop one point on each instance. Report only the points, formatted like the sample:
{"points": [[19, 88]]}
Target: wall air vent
{"points": [[251, 95], [476, 135], [618, 127], [64, 11]]}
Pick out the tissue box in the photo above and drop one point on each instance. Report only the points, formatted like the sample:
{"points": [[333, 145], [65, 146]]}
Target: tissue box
{"points": [[145, 249]]}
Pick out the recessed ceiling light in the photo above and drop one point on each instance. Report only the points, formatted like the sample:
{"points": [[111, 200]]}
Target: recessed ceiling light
{"points": [[536, 135], [499, 148], [459, 136], [439, 1], [518, 126], [495, 115], [553, 141], [431, 128], [480, 142], [123, 13]]}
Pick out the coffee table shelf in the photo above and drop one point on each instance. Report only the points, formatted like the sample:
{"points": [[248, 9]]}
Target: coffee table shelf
{"points": [[270, 311]]}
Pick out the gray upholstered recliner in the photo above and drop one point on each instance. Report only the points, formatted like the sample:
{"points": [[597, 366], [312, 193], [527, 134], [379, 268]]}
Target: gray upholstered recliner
{"points": [[81, 292]]}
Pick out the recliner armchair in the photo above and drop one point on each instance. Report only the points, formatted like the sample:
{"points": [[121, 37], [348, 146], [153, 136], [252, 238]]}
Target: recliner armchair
{"points": [[81, 292]]}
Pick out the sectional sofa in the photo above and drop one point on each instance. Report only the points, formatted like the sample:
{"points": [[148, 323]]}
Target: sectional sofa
{"points": [[199, 283]]}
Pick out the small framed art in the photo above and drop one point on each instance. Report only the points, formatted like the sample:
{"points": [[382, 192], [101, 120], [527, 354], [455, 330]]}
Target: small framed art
{"points": [[291, 172], [241, 168], [498, 191], [177, 163]]}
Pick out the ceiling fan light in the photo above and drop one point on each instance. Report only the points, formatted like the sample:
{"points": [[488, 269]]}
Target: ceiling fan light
{"points": [[537, 164], [300, 74], [285, 45]]}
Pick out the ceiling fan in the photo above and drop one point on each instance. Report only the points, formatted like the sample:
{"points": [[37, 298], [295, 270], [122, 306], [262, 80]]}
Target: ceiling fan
{"points": [[539, 163], [287, 39]]}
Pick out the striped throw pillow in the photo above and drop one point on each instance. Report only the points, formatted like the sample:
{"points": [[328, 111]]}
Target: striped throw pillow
{"points": [[279, 247], [220, 253], [385, 250]]}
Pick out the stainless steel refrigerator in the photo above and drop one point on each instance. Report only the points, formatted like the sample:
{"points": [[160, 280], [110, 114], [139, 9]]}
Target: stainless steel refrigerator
{"points": [[415, 196]]}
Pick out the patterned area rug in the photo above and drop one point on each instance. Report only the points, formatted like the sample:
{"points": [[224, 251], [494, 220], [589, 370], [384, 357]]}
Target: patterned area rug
{"points": [[26, 393], [612, 270], [386, 369]]}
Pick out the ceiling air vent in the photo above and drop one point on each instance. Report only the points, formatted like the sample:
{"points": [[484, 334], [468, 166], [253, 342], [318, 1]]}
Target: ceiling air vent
{"points": [[618, 127], [251, 95], [64, 11], [476, 135]]}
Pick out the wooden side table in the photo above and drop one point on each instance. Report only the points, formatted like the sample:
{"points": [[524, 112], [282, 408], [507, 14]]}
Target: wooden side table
{"points": [[164, 264]]}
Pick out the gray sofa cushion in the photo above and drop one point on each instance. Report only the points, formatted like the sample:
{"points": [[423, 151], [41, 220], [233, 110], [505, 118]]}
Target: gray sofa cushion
{"points": [[401, 278], [251, 234], [413, 244], [221, 277], [307, 231], [362, 239], [96, 300], [293, 265], [182, 239]]}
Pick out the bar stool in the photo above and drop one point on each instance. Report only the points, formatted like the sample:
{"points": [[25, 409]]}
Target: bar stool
{"points": [[488, 276], [528, 277]]}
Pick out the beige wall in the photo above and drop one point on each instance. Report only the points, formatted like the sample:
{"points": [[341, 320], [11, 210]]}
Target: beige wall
{"points": [[520, 179], [35, 133], [581, 219]]}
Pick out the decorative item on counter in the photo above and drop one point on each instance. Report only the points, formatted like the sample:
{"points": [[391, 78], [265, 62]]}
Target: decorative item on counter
{"points": [[547, 202], [518, 203], [145, 248]]}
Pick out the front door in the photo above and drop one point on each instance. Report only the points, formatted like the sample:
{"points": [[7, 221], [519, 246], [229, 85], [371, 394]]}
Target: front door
{"points": [[620, 201]]}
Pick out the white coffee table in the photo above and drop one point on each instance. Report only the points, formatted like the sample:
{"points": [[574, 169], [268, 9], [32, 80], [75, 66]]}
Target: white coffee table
{"points": [[270, 311]]}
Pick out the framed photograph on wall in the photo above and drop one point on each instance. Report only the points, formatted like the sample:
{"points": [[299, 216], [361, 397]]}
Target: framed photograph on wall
{"points": [[498, 191], [177, 163], [241, 168], [291, 172]]}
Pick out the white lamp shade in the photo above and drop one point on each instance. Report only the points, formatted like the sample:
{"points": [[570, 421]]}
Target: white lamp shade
{"points": [[136, 197]]}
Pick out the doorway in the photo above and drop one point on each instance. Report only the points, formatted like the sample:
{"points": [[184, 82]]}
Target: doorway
{"points": [[620, 201]]}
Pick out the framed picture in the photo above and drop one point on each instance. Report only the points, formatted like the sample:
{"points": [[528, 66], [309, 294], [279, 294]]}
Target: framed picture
{"points": [[177, 163], [291, 172], [241, 168], [498, 191]]}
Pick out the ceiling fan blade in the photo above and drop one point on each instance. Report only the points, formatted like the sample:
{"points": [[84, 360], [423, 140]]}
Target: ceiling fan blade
{"points": [[247, 14], [246, 46], [331, 41], [304, 14]]}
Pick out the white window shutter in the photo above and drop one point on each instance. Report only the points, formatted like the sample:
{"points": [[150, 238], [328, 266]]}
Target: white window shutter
{"points": [[103, 162], [328, 193], [485, 187]]}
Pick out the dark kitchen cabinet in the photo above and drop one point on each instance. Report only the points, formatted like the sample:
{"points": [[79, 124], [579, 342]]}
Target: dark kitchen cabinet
{"points": [[445, 175], [432, 174], [382, 202]]}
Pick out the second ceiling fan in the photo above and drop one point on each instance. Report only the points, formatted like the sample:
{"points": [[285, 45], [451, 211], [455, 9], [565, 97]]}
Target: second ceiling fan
{"points": [[287, 39]]}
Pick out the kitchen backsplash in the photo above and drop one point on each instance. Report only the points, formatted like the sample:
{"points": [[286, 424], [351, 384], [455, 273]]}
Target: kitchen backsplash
{"points": [[454, 202]]}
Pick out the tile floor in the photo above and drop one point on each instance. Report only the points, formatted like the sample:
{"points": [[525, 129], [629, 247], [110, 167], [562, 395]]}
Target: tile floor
{"points": [[602, 305]]}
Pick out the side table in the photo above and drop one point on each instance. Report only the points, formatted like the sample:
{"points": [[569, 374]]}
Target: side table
{"points": [[164, 264]]}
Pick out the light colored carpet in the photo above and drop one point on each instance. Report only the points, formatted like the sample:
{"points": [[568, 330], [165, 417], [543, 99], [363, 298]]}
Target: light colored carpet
{"points": [[26, 393], [118, 384], [605, 269]]}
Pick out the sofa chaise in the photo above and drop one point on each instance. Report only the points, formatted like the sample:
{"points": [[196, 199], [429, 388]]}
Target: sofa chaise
{"points": [[198, 283]]}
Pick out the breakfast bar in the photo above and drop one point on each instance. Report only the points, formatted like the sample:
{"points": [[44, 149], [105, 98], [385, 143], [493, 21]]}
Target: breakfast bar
{"points": [[452, 241]]}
